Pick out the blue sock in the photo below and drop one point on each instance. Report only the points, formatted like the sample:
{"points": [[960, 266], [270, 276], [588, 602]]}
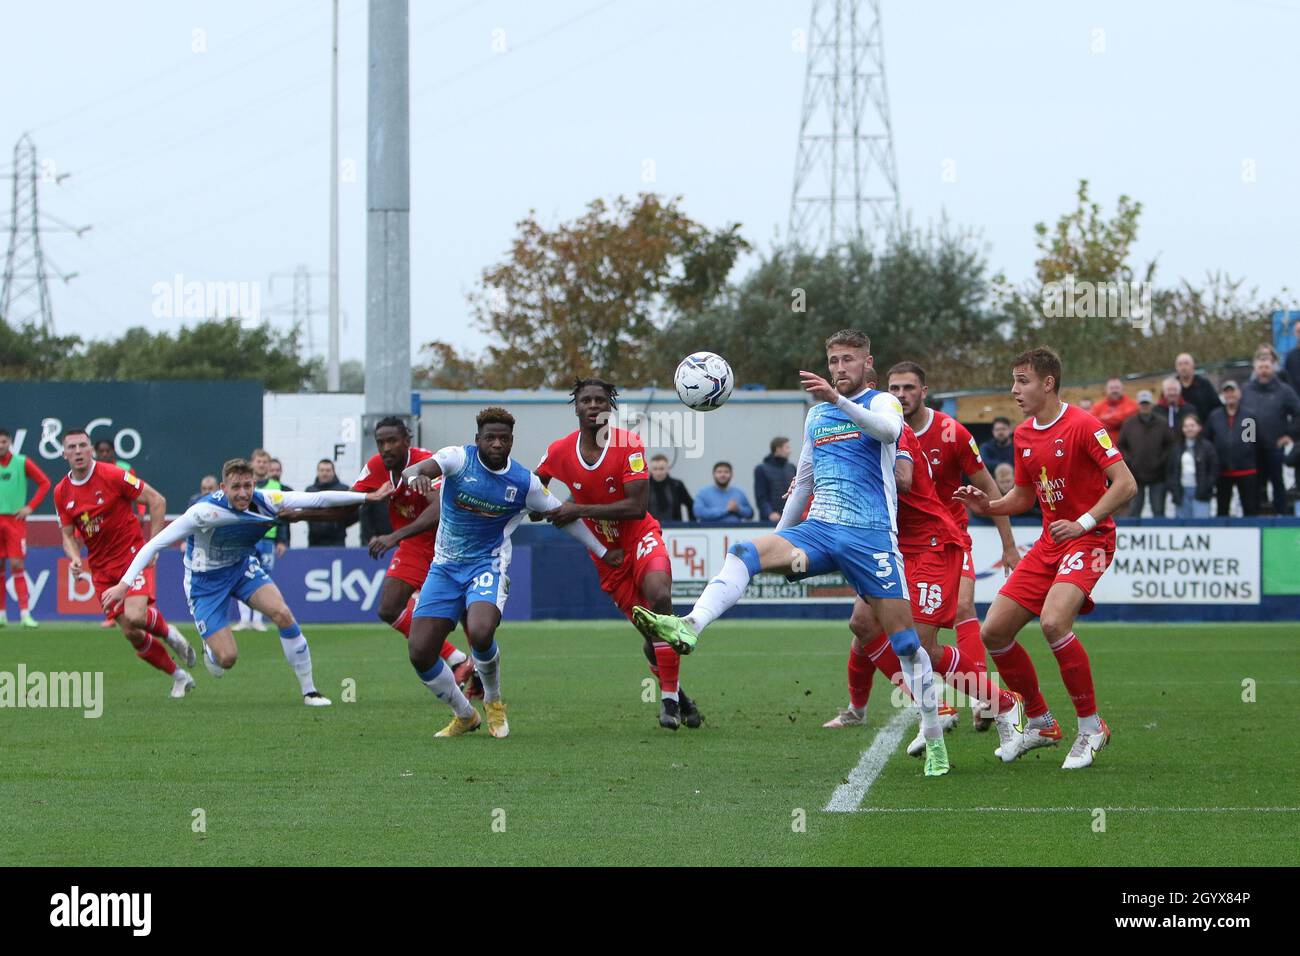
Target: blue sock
{"points": [[486, 655], [293, 630], [905, 642], [432, 672]]}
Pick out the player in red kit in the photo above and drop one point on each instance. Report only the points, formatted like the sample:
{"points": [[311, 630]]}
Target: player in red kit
{"points": [[1066, 458], [414, 518], [16, 471], [932, 549], [605, 470], [952, 454], [94, 503]]}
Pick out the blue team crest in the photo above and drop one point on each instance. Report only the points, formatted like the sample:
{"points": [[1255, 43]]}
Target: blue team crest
{"points": [[511, 492]]}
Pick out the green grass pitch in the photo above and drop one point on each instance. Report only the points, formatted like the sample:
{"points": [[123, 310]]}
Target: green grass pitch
{"points": [[1193, 776]]}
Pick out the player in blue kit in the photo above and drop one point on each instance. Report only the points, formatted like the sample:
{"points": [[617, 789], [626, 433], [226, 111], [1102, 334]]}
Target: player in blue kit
{"points": [[847, 466], [484, 497], [221, 532]]}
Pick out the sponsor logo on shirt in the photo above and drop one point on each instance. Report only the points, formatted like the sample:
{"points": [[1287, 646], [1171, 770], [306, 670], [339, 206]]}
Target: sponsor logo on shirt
{"points": [[975, 449], [132, 480], [842, 431]]}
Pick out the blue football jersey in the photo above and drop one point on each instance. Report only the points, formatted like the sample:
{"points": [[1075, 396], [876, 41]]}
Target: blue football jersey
{"points": [[853, 473], [480, 507], [223, 536]]}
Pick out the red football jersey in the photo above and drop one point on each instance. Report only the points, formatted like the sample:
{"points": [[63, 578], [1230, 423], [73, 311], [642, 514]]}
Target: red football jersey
{"points": [[1066, 464], [924, 521], [99, 509], [405, 505], [622, 461], [952, 453]]}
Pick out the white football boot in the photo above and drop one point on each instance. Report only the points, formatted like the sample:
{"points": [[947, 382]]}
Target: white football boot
{"points": [[182, 648], [847, 717], [1085, 748], [182, 683], [316, 699]]}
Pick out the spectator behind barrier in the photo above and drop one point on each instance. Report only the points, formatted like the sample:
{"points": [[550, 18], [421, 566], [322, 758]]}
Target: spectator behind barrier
{"points": [[1231, 429], [1291, 364], [721, 501], [1276, 408], [999, 449], [1192, 471], [668, 495], [327, 534], [1145, 441], [1172, 408], [1114, 408], [1197, 390], [207, 485], [771, 478]]}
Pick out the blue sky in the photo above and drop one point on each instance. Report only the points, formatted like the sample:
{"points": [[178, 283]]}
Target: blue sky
{"points": [[213, 163]]}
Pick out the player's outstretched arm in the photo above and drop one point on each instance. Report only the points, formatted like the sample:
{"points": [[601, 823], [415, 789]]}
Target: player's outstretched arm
{"points": [[540, 499], [631, 507], [1016, 501], [882, 419], [1123, 488], [1010, 553], [445, 461], [178, 530], [307, 500]]}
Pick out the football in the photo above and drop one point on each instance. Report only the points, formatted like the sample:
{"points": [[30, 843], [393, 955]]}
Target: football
{"points": [[704, 381]]}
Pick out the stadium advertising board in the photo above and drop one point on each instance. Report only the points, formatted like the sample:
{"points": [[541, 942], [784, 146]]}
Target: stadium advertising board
{"points": [[1153, 564], [172, 433], [697, 553]]}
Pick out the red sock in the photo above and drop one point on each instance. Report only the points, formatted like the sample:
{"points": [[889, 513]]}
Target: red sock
{"points": [[20, 589], [861, 671], [155, 654], [882, 655], [4, 589], [448, 648], [403, 623], [668, 665], [956, 670], [971, 648], [1017, 672], [155, 623], [1076, 674]]}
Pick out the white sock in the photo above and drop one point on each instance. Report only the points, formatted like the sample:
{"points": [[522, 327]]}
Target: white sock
{"points": [[919, 677], [298, 654], [215, 669], [245, 612], [457, 658], [1090, 725], [489, 672], [443, 685], [257, 618], [669, 694], [1045, 720], [720, 594]]}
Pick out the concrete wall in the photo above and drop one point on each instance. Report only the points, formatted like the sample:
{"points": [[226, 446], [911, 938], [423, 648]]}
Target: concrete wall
{"points": [[738, 432], [300, 430]]}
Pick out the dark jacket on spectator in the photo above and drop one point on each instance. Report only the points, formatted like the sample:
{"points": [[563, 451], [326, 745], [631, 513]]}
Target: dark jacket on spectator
{"points": [[1173, 417], [1230, 447], [1276, 405], [1207, 469], [995, 454], [1291, 365], [327, 534], [1145, 446], [1202, 396], [772, 476], [668, 499]]}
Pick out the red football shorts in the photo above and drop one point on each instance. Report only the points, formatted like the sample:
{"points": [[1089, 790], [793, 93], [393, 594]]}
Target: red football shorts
{"points": [[142, 586], [13, 537], [623, 583], [411, 562], [934, 577], [1080, 562], [967, 565]]}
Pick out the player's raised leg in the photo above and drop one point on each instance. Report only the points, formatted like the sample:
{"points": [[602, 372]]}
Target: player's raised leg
{"points": [[270, 602], [133, 620], [770, 552], [895, 617]]}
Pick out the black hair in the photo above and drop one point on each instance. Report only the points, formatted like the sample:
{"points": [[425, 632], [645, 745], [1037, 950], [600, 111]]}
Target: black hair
{"points": [[393, 421], [1003, 419], [6, 433], [611, 390], [723, 464], [495, 415], [326, 461]]}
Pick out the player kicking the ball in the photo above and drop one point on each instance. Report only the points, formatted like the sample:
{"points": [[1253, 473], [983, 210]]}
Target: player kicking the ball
{"points": [[1065, 456], [604, 468], [484, 497], [221, 532], [847, 465], [94, 502]]}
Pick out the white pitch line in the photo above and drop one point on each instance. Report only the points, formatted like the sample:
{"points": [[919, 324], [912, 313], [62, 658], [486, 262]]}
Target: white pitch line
{"points": [[848, 796], [1076, 809]]}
